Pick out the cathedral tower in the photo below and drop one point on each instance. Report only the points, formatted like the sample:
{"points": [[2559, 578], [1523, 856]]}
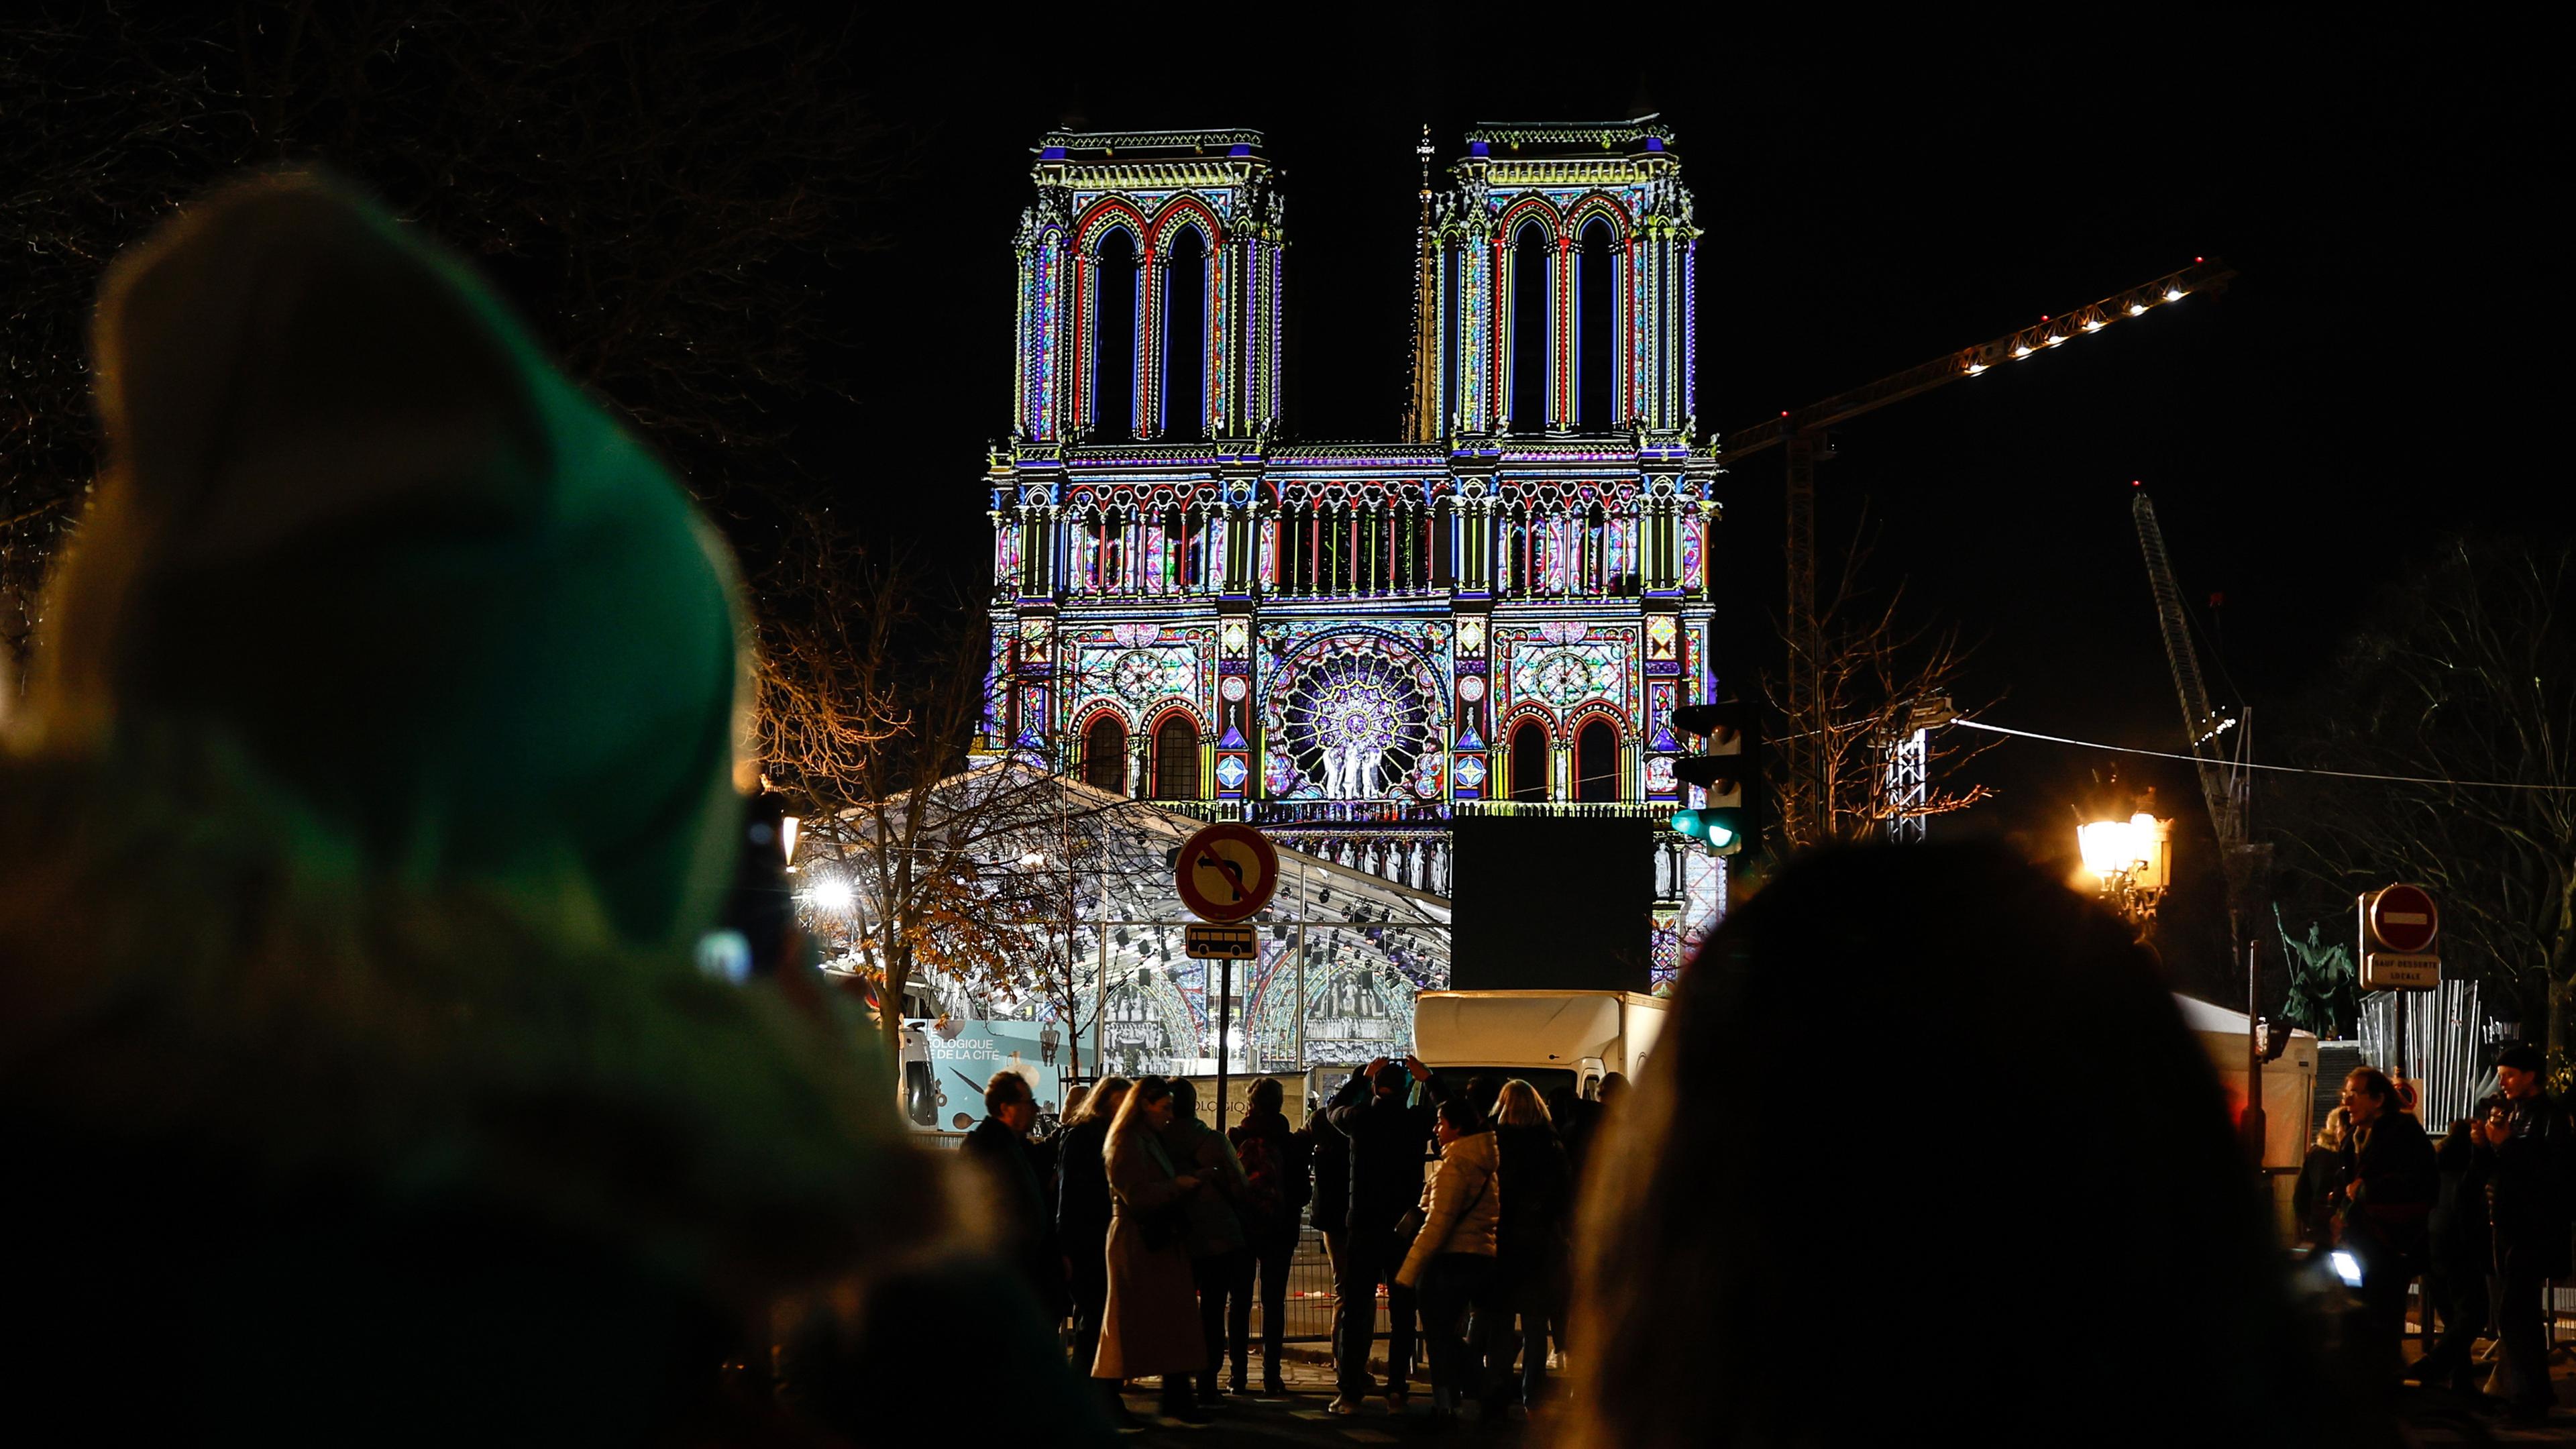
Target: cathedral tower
{"points": [[1355, 644]]}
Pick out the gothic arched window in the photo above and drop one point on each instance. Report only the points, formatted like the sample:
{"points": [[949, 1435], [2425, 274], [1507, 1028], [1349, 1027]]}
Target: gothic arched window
{"points": [[1530, 247], [1185, 337], [1596, 762], [1596, 329], [1176, 759], [1529, 761], [1104, 755], [1113, 329]]}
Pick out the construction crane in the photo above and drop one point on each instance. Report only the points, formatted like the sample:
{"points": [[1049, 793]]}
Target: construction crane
{"points": [[1801, 432], [2222, 772], [2225, 783]]}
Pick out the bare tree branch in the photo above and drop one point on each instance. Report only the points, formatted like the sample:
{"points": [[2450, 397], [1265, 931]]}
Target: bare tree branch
{"points": [[1874, 667], [2468, 672]]}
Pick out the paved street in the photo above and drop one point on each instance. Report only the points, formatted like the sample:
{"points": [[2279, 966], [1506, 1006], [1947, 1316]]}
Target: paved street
{"points": [[2433, 1417], [1300, 1418]]}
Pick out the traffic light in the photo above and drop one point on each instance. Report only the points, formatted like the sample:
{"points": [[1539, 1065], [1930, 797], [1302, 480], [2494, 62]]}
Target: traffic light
{"points": [[1730, 771]]}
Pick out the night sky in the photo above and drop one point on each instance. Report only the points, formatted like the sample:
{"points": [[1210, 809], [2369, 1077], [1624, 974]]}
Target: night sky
{"points": [[2371, 380]]}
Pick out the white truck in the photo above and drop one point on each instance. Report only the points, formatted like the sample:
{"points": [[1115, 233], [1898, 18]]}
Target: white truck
{"points": [[1551, 1039]]}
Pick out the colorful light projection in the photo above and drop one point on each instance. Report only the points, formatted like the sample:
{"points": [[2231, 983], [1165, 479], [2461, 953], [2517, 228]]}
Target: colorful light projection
{"points": [[1356, 630]]}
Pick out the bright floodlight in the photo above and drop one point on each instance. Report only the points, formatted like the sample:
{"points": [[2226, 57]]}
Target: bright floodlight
{"points": [[2346, 1268], [2173, 294], [2137, 309], [831, 895]]}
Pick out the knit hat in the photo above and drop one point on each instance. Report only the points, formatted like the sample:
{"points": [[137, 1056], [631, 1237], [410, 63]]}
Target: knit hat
{"points": [[2522, 1056], [354, 526]]}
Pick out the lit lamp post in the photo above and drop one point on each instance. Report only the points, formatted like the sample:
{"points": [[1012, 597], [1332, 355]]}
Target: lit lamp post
{"points": [[2134, 859]]}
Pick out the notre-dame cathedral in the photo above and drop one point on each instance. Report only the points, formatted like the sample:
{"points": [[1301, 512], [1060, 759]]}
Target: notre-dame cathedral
{"points": [[1355, 644]]}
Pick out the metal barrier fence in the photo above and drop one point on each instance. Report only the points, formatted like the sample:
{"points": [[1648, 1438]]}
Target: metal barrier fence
{"points": [[1308, 1313], [2448, 1040]]}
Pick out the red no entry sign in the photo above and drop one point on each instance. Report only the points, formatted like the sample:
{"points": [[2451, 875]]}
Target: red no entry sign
{"points": [[1226, 872], [2403, 918]]}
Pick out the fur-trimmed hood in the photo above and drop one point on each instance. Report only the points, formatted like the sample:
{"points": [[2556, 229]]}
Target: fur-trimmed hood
{"points": [[245, 1079]]}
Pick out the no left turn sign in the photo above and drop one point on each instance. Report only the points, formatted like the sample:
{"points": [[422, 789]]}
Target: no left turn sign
{"points": [[1226, 872]]}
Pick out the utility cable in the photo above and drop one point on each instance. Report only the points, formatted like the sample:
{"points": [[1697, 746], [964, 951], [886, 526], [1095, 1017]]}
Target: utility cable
{"points": [[2276, 769]]}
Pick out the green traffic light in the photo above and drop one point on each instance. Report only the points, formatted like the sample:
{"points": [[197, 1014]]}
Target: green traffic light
{"points": [[1708, 825]]}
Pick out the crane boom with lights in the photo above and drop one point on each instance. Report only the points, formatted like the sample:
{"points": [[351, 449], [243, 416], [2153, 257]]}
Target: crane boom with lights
{"points": [[2222, 784], [1801, 434]]}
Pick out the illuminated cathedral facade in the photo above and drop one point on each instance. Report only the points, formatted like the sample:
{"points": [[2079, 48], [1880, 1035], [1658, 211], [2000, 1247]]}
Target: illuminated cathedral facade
{"points": [[1354, 644]]}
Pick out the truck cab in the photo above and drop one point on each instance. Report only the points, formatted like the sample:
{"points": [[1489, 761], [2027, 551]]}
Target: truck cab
{"points": [[1557, 1041]]}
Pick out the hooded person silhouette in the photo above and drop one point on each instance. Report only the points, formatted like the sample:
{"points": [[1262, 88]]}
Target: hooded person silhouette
{"points": [[354, 525], [374, 782]]}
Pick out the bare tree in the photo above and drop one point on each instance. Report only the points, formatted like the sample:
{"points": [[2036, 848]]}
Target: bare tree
{"points": [[661, 189], [867, 705], [2467, 674], [1076, 856], [1875, 667]]}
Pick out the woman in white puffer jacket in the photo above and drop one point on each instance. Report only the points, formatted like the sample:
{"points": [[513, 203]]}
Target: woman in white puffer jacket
{"points": [[1453, 1256]]}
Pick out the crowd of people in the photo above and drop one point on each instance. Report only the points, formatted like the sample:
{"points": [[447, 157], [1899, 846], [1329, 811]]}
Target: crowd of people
{"points": [[2479, 1220], [1155, 1235]]}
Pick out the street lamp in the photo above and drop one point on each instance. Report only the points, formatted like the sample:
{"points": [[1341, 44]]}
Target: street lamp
{"points": [[2134, 860]]}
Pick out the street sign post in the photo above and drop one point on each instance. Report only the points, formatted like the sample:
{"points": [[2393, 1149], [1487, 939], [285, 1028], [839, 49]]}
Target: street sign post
{"points": [[1226, 873], [2391, 971], [2402, 922], [1218, 943]]}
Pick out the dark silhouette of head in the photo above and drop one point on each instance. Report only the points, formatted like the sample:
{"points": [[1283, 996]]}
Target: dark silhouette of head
{"points": [[1461, 1117], [2107, 1286], [1263, 1100], [1390, 1079]]}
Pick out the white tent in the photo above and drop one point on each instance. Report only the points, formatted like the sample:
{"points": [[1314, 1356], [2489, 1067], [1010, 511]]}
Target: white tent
{"points": [[2289, 1083]]}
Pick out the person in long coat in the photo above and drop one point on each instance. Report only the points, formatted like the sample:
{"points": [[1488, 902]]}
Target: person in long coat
{"points": [[1082, 1220], [1537, 1189], [1220, 1251], [1151, 1325]]}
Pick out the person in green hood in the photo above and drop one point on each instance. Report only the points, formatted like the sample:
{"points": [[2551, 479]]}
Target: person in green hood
{"points": [[355, 526], [374, 782]]}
